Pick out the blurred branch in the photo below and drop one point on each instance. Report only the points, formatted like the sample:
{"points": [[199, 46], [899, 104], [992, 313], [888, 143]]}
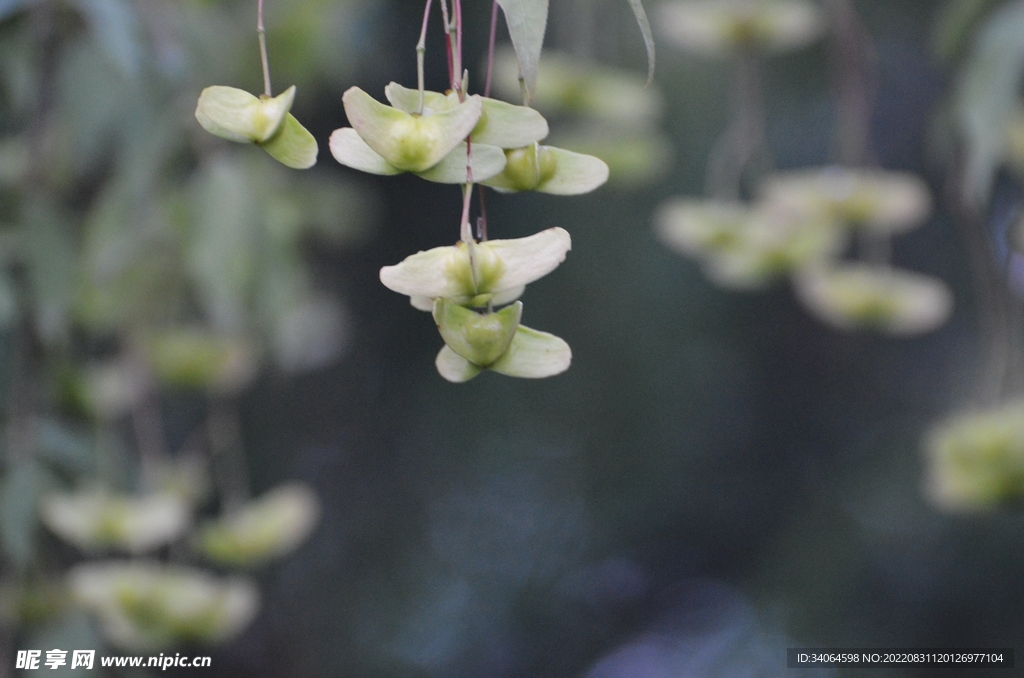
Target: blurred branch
{"points": [[855, 73], [744, 137]]}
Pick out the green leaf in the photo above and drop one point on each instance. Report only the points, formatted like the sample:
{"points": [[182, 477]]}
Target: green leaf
{"points": [[74, 631], [115, 29], [293, 146], [645, 31], [310, 334], [9, 7], [52, 267], [957, 20], [65, 446], [20, 490], [987, 94], [527, 20], [8, 302], [223, 245]]}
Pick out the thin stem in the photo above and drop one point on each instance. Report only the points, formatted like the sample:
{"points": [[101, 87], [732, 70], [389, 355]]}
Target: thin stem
{"points": [[458, 47], [262, 33], [225, 435], [989, 292], [146, 420], [466, 231], [744, 136], [855, 69], [449, 47], [490, 48], [481, 221], [421, 50]]}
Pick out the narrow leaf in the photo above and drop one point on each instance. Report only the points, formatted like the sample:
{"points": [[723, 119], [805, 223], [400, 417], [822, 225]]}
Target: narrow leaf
{"points": [[526, 21], [645, 31]]}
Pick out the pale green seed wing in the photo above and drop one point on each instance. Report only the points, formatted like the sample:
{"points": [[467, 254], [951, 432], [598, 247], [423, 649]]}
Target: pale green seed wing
{"points": [[508, 126], [228, 113], [454, 367], [488, 161], [412, 143], [575, 173], [350, 150], [408, 100], [293, 145], [528, 259], [429, 274], [479, 338], [534, 355]]}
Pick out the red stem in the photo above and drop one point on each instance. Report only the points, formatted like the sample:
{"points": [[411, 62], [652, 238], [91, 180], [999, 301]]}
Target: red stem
{"points": [[490, 48]]}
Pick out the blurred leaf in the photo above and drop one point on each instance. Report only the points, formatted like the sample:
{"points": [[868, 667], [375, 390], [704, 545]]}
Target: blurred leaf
{"points": [[222, 246], [115, 29], [338, 212], [14, 160], [50, 249], [20, 490], [526, 21], [9, 7], [64, 446], [73, 632], [987, 94], [130, 264], [92, 102], [8, 302], [645, 31], [956, 21], [17, 69], [310, 335], [196, 358]]}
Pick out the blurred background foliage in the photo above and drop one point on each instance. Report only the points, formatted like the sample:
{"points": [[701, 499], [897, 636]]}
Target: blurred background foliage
{"points": [[717, 477]]}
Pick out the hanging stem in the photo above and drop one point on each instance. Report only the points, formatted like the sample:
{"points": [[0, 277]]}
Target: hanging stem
{"points": [[481, 221], [466, 231], [262, 33], [449, 46], [458, 50], [990, 294], [225, 436], [490, 48], [421, 50], [146, 419], [855, 69], [744, 136]]}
